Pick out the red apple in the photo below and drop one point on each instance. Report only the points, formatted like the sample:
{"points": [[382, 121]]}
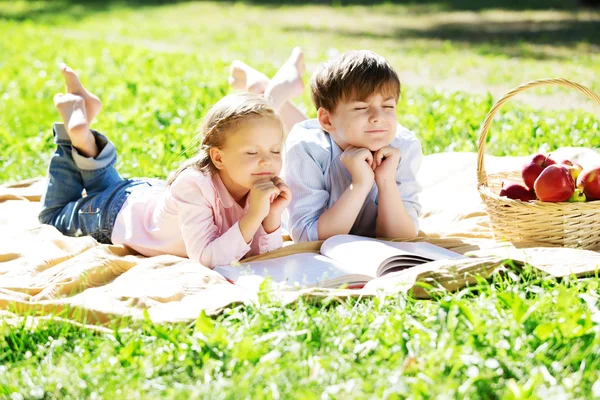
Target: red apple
{"points": [[516, 191], [532, 169], [589, 183], [555, 183], [573, 167]]}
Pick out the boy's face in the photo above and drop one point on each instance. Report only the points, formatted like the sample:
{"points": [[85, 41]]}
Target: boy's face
{"points": [[369, 124]]}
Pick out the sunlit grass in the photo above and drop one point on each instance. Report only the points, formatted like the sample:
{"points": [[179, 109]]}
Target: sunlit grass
{"points": [[153, 102], [516, 337], [159, 68]]}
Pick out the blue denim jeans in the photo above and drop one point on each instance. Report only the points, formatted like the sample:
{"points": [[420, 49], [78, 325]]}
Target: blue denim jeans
{"points": [[69, 173]]}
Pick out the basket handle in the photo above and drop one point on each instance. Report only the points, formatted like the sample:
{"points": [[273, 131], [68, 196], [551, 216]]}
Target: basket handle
{"points": [[481, 174]]}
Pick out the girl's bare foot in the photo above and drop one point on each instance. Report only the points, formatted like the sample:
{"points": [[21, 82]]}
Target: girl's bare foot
{"points": [[72, 109], [244, 77], [287, 82], [93, 105]]}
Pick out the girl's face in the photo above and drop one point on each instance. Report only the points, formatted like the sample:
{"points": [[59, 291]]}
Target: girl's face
{"points": [[250, 154]]}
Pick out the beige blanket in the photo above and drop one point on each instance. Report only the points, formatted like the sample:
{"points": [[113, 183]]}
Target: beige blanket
{"points": [[45, 273]]}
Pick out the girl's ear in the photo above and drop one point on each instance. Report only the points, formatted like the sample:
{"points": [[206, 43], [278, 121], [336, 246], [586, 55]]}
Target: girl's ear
{"points": [[216, 157], [324, 117]]}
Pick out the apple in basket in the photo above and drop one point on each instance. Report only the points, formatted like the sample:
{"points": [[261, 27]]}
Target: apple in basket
{"points": [[589, 182], [532, 169], [578, 197], [573, 167], [555, 184], [516, 191]]}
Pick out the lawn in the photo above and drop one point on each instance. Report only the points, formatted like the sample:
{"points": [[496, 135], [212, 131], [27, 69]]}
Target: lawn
{"points": [[159, 67]]}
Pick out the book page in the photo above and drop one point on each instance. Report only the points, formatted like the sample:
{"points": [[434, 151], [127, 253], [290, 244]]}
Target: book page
{"points": [[359, 254], [373, 257], [427, 250], [303, 269]]}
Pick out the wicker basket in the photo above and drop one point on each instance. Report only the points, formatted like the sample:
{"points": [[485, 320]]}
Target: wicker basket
{"points": [[547, 224]]}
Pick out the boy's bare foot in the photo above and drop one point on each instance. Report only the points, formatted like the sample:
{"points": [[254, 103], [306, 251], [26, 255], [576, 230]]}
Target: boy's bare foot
{"points": [[93, 105], [72, 109], [287, 82], [244, 77]]}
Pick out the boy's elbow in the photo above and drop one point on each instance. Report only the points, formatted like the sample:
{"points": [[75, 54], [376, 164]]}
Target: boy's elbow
{"points": [[302, 233], [416, 229], [298, 236]]}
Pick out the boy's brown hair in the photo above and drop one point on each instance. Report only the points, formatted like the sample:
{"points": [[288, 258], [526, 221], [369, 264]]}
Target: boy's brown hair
{"points": [[354, 75]]}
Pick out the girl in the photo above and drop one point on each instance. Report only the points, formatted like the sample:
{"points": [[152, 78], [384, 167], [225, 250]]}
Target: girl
{"points": [[222, 204]]}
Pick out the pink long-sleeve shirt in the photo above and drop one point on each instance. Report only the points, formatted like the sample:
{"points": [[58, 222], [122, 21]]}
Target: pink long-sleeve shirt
{"points": [[194, 217]]}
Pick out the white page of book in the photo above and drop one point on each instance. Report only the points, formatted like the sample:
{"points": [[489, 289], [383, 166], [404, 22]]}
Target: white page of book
{"points": [[304, 269], [427, 250], [368, 256]]}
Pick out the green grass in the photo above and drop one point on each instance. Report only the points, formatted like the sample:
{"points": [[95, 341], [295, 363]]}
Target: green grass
{"points": [[158, 68], [520, 336]]}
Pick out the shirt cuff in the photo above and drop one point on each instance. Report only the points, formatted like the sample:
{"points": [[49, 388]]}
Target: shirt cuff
{"points": [[235, 246], [312, 232], [417, 227], [269, 241]]}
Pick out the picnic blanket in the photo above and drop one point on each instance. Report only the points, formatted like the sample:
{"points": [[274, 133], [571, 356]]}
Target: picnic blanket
{"points": [[43, 272]]}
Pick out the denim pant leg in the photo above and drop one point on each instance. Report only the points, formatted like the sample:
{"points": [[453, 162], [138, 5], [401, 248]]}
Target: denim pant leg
{"points": [[68, 174]]}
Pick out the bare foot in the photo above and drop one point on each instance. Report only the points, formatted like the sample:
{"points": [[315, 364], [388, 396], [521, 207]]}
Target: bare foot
{"points": [[244, 77], [287, 82], [93, 105], [72, 109]]}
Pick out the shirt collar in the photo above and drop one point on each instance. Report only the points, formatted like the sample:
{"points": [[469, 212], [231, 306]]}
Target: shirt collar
{"points": [[222, 193], [336, 150]]}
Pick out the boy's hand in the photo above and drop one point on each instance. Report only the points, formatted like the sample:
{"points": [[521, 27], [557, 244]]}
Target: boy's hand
{"points": [[385, 164], [359, 162], [261, 196]]}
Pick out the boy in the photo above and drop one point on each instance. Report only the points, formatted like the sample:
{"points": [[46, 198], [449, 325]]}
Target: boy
{"points": [[352, 170]]}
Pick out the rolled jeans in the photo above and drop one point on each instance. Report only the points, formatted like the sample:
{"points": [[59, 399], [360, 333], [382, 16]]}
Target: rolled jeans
{"points": [[69, 173]]}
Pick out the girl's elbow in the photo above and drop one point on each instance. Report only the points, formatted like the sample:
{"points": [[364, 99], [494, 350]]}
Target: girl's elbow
{"points": [[205, 258]]}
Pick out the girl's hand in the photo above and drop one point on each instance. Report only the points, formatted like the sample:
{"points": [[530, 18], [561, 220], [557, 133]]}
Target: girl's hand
{"points": [[273, 221], [261, 196], [281, 201]]}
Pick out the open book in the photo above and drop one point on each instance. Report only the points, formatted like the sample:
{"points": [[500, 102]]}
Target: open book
{"points": [[344, 260]]}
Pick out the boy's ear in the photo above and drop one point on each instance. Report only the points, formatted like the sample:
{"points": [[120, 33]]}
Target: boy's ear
{"points": [[216, 157], [324, 117]]}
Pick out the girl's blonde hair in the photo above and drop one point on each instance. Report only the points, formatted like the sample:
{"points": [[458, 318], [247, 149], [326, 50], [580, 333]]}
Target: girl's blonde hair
{"points": [[226, 116]]}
